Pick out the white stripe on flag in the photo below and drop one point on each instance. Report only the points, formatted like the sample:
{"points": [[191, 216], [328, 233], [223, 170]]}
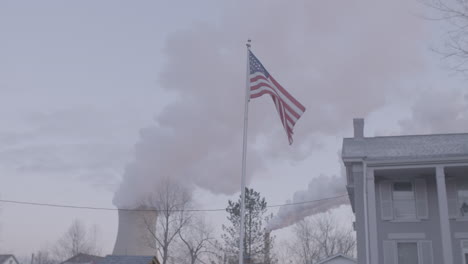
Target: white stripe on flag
{"points": [[275, 90]]}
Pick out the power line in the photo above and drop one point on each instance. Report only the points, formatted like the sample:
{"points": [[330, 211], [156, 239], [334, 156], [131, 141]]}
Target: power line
{"points": [[186, 210]]}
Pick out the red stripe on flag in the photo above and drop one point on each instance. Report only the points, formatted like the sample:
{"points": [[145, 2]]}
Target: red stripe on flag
{"points": [[290, 97], [258, 77], [272, 92], [272, 86]]}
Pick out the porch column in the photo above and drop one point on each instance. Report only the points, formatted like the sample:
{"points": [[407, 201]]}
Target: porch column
{"points": [[445, 232], [372, 216]]}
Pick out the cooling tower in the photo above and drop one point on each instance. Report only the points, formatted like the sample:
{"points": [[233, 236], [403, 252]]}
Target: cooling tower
{"points": [[134, 234]]}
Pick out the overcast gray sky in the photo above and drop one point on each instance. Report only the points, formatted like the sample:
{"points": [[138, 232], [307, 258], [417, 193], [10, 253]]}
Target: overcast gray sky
{"points": [[83, 82]]}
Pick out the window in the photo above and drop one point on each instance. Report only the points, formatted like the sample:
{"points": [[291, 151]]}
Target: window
{"points": [[403, 200], [464, 245], [407, 252], [463, 198]]}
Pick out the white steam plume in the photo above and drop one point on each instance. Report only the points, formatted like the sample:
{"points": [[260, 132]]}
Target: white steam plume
{"points": [[438, 111], [320, 188], [338, 58]]}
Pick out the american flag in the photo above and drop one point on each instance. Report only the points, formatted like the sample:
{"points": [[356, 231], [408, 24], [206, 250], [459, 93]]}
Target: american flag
{"points": [[261, 82]]}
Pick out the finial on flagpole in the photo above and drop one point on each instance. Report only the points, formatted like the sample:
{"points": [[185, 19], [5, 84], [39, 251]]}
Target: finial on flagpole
{"points": [[248, 43]]}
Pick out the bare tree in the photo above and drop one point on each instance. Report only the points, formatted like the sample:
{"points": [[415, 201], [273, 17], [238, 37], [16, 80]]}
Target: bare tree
{"points": [[198, 239], [455, 48], [43, 256], [77, 239], [171, 200], [321, 237], [285, 253]]}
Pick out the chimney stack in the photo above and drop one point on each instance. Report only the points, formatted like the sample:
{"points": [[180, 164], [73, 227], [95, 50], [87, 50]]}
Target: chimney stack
{"points": [[358, 127], [134, 236]]}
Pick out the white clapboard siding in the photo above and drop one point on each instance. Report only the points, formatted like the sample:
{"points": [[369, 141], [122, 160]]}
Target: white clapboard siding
{"points": [[425, 252], [386, 200], [389, 252], [452, 198], [422, 208]]}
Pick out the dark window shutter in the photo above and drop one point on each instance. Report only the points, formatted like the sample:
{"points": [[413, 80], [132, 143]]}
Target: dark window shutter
{"points": [[422, 208], [425, 252], [452, 198], [386, 202]]}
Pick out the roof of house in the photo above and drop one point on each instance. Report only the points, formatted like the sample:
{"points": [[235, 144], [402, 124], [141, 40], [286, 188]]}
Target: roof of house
{"points": [[3, 258], [114, 259], [415, 147], [336, 256], [83, 258]]}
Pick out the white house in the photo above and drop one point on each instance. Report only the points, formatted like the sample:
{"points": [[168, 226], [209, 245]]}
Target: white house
{"points": [[8, 259], [338, 259], [410, 197]]}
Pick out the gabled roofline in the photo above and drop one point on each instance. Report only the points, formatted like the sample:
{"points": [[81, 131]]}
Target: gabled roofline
{"points": [[82, 254], [335, 256], [13, 256]]}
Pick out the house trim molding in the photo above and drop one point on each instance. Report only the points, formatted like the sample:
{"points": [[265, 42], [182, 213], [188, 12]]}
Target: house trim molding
{"points": [[461, 235], [412, 163], [406, 236]]}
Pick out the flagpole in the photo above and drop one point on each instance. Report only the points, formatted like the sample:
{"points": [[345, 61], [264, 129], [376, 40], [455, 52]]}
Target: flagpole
{"points": [[244, 155]]}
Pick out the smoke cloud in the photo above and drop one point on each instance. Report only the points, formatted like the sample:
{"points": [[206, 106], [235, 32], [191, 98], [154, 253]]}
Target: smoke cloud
{"points": [[328, 54], [320, 188], [438, 111]]}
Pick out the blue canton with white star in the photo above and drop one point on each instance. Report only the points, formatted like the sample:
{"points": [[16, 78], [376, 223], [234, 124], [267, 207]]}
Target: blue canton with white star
{"points": [[256, 65]]}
